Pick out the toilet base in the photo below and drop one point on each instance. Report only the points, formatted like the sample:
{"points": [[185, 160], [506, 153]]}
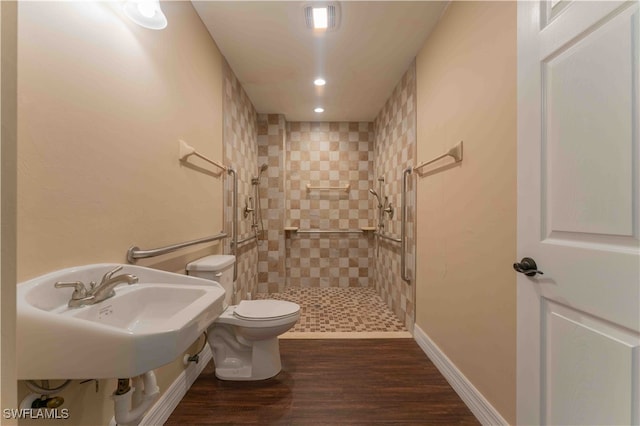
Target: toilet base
{"points": [[238, 359]]}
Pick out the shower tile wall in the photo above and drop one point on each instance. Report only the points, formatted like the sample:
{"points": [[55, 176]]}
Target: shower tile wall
{"points": [[319, 154], [240, 151], [329, 155], [394, 151], [271, 249]]}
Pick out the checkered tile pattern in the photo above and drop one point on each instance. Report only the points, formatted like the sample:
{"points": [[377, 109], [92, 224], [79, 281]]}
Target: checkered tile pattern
{"points": [[328, 155], [240, 151], [271, 250], [339, 310], [330, 260], [394, 151]]}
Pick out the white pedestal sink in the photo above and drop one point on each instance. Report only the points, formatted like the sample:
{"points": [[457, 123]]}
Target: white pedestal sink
{"points": [[144, 326]]}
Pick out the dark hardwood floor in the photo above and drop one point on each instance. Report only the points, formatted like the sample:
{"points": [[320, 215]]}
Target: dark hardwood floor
{"points": [[331, 382]]}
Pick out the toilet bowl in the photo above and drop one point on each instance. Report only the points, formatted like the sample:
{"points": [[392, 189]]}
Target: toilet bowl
{"points": [[244, 338]]}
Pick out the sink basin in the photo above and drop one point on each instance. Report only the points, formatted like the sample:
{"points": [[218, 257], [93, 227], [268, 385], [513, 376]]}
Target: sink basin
{"points": [[142, 327]]}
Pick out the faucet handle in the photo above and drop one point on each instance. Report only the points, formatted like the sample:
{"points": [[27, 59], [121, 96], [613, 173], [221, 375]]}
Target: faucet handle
{"points": [[79, 292], [109, 274]]}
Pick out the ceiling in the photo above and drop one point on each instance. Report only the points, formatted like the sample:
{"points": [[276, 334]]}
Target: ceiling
{"points": [[276, 57]]}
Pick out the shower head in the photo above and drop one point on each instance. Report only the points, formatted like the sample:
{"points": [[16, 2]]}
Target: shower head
{"points": [[375, 194], [256, 180]]}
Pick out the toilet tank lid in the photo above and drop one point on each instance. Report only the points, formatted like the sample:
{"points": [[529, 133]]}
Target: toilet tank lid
{"points": [[215, 262]]}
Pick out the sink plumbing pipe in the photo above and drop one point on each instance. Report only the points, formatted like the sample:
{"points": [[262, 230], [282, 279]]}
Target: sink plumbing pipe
{"points": [[188, 358], [130, 404], [41, 396], [45, 389]]}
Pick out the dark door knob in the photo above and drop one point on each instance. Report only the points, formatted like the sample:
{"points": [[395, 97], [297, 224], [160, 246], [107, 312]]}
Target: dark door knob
{"points": [[528, 267]]}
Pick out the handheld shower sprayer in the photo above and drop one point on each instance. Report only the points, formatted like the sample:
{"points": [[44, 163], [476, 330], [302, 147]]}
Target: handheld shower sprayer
{"points": [[262, 169], [257, 213], [375, 194]]}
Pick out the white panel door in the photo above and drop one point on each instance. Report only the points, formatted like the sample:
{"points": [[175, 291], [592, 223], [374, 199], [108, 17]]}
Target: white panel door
{"points": [[578, 213]]}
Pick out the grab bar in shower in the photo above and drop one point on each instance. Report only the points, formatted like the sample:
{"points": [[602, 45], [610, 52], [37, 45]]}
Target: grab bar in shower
{"points": [[455, 152], [134, 253], [244, 240], [387, 237], [329, 231], [403, 230], [234, 202], [329, 188]]}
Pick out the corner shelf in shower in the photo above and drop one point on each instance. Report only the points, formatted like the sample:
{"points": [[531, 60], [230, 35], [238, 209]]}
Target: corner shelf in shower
{"points": [[368, 228]]}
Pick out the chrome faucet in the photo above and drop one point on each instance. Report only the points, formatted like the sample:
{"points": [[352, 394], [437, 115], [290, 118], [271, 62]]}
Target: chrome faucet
{"points": [[105, 290], [96, 292]]}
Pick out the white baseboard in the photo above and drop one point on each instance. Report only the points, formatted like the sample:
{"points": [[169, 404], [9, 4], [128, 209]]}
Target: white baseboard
{"points": [[159, 413], [477, 403]]}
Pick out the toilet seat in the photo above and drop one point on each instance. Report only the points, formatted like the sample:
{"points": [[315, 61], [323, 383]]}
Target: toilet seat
{"points": [[255, 314], [261, 310]]}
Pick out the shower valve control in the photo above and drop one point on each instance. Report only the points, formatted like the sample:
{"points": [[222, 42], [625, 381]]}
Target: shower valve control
{"points": [[248, 207]]}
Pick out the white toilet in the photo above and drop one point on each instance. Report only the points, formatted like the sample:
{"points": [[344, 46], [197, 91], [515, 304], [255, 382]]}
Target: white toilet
{"points": [[244, 339]]}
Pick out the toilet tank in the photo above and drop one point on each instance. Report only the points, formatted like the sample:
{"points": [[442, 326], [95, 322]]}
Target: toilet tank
{"points": [[217, 267]]}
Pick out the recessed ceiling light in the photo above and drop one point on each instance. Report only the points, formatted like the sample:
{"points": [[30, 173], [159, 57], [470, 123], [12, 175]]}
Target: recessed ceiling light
{"points": [[319, 109], [319, 82]]}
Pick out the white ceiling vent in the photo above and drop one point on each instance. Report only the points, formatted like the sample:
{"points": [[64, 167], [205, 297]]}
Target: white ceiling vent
{"points": [[332, 14]]}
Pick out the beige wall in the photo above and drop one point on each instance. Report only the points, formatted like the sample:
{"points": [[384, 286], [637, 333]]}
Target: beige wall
{"points": [[8, 74], [466, 235], [102, 105]]}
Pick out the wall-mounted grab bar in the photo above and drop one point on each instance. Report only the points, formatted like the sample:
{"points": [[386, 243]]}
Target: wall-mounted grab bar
{"points": [[187, 150], [455, 152], [329, 231], [329, 188], [244, 240], [234, 239], [387, 237], [403, 230], [134, 253]]}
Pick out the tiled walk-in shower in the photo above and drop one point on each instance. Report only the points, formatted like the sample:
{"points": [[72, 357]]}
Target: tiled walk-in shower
{"points": [[307, 188], [340, 310]]}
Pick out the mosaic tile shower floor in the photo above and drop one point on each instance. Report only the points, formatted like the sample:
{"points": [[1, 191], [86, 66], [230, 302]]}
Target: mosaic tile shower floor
{"points": [[334, 311]]}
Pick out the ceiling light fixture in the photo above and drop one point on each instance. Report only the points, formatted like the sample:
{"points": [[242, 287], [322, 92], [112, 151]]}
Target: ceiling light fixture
{"points": [[319, 82], [146, 13], [319, 109]]}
